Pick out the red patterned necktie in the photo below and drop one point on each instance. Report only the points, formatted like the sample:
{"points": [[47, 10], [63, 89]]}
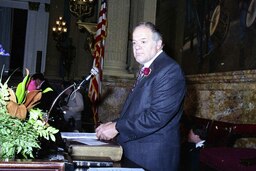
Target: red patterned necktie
{"points": [[139, 78]]}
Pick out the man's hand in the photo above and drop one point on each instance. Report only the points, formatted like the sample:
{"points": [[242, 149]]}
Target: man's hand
{"points": [[106, 131]]}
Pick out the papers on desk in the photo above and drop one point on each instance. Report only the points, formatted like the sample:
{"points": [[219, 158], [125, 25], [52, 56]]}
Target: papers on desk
{"points": [[115, 169], [86, 146], [84, 138]]}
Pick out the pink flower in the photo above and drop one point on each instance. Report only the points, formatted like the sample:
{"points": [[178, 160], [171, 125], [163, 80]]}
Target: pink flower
{"points": [[146, 71]]}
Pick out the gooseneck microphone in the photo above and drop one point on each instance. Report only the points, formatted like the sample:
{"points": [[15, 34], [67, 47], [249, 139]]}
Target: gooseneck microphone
{"points": [[94, 71]]}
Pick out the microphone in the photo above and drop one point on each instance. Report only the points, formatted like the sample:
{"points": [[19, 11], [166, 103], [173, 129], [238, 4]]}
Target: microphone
{"points": [[94, 71]]}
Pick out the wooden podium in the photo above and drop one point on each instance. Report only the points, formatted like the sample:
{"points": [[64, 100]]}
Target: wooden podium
{"points": [[25, 165], [79, 157], [85, 146], [108, 152]]}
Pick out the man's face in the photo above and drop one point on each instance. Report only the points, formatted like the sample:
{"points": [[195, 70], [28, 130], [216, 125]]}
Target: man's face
{"points": [[144, 47]]}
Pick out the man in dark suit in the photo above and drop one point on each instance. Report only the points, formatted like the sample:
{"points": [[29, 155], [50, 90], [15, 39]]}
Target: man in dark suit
{"points": [[46, 101], [48, 93], [148, 127], [191, 152]]}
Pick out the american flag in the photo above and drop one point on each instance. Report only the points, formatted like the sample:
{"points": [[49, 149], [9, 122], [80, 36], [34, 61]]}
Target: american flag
{"points": [[95, 83]]}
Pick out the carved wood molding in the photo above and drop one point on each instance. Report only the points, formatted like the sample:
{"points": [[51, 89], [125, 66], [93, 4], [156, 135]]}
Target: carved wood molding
{"points": [[47, 7], [34, 6]]}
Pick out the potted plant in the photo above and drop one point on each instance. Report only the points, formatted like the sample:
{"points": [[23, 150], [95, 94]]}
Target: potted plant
{"points": [[22, 125]]}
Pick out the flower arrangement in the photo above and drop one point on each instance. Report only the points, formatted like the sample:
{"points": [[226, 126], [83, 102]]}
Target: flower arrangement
{"points": [[146, 71], [21, 125]]}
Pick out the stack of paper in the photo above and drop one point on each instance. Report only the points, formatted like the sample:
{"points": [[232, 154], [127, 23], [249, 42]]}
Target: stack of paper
{"points": [[86, 146]]}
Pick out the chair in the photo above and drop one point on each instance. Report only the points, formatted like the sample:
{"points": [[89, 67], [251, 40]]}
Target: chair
{"points": [[228, 159], [219, 154]]}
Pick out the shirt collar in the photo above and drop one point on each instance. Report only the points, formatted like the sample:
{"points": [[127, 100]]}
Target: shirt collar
{"points": [[147, 64], [200, 144]]}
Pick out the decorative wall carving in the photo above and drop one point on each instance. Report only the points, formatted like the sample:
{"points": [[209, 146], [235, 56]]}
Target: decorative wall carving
{"points": [[227, 96], [34, 6]]}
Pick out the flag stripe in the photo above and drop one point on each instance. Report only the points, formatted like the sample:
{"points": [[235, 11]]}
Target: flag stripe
{"points": [[95, 82]]}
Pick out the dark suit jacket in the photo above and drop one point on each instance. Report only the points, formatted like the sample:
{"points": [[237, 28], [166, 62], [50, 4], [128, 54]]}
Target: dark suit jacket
{"points": [[191, 159], [149, 122], [47, 98]]}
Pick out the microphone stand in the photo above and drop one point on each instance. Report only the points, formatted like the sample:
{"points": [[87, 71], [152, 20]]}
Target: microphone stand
{"points": [[94, 71], [80, 85], [55, 100]]}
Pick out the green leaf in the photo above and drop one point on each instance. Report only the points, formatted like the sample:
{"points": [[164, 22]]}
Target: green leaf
{"points": [[47, 90], [21, 89], [52, 137], [21, 136]]}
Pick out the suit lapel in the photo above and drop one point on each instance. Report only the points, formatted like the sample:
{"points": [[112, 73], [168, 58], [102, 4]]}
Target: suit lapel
{"points": [[127, 103], [154, 67]]}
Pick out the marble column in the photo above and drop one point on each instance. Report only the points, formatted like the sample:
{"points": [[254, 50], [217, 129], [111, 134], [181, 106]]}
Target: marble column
{"points": [[140, 11], [36, 39], [117, 39]]}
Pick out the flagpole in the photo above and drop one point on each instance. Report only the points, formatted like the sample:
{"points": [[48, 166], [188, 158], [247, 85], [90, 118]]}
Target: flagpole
{"points": [[98, 58]]}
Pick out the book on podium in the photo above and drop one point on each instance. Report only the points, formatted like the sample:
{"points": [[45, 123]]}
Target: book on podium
{"points": [[86, 146]]}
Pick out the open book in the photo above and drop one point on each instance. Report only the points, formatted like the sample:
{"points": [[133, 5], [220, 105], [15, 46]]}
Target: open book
{"points": [[86, 146]]}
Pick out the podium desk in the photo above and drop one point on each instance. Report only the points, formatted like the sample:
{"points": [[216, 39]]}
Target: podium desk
{"points": [[47, 165], [32, 165]]}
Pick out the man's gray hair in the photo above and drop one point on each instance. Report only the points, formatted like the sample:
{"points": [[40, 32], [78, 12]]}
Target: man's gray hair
{"points": [[156, 33]]}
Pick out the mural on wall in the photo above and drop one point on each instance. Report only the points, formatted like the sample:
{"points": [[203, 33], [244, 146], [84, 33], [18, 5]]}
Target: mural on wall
{"points": [[220, 35], [2, 51]]}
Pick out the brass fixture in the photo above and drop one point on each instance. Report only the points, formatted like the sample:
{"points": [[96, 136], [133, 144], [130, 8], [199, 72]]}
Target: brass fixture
{"points": [[90, 27], [59, 30], [81, 8]]}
